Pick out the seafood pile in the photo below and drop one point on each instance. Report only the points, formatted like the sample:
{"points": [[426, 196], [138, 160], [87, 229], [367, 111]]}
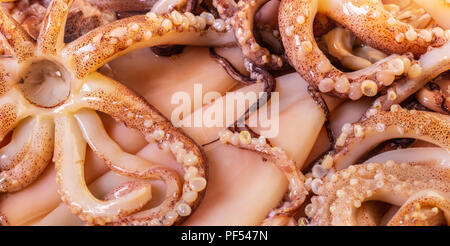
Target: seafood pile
{"points": [[356, 95]]}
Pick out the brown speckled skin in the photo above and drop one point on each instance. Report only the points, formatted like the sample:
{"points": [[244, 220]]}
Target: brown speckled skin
{"points": [[243, 30], [399, 180], [94, 91], [400, 123], [437, 64], [32, 163], [107, 91], [297, 191]]}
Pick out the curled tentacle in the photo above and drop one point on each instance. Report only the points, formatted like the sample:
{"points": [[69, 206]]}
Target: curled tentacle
{"points": [[425, 208], [132, 166], [101, 45], [243, 29], [69, 163], [429, 66], [20, 41], [23, 168], [296, 28], [167, 6], [358, 138], [136, 113], [297, 192], [341, 194]]}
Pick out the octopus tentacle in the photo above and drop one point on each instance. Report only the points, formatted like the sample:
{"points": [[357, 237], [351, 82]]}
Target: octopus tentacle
{"points": [[10, 116], [356, 139], [342, 193], [243, 29], [165, 7], [429, 66], [351, 53], [339, 45], [297, 35], [369, 53], [297, 191], [26, 167], [98, 91], [17, 148], [425, 208], [411, 155], [51, 36], [20, 41], [413, 14], [129, 165], [379, 28], [102, 44], [69, 164], [123, 189], [368, 214]]}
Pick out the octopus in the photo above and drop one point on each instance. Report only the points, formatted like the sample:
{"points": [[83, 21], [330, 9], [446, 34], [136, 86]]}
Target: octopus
{"points": [[365, 80], [402, 31], [67, 118], [419, 191]]}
